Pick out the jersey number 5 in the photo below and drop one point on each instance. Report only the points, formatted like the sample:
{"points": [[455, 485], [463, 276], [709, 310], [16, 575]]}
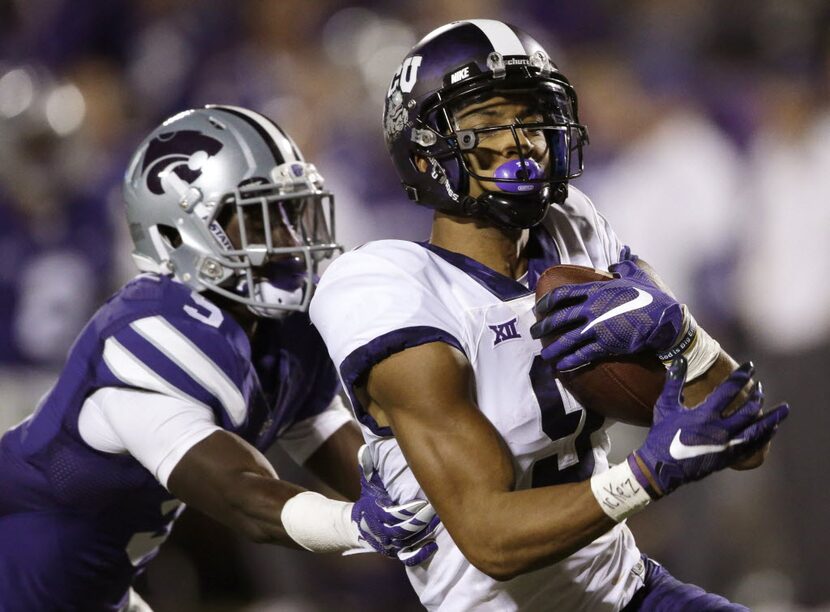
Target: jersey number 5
{"points": [[206, 311], [571, 458]]}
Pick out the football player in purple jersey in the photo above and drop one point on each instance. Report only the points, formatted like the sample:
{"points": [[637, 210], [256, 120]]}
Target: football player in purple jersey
{"points": [[184, 376], [437, 344]]}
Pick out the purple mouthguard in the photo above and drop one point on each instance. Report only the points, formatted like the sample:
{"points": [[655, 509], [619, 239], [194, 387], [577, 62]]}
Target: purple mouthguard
{"points": [[515, 169]]}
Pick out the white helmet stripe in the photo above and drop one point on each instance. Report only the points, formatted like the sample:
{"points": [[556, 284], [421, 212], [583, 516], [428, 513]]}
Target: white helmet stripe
{"points": [[501, 36], [284, 144]]}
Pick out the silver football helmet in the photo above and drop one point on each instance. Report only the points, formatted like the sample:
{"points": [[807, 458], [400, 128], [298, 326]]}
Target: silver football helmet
{"points": [[222, 199]]}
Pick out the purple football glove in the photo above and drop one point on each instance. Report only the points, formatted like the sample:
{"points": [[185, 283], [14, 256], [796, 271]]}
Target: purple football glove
{"points": [[685, 444], [394, 530], [597, 320]]}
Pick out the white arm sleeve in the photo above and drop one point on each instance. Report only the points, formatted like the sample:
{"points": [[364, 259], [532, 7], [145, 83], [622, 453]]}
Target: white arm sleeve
{"points": [[156, 429], [306, 436]]}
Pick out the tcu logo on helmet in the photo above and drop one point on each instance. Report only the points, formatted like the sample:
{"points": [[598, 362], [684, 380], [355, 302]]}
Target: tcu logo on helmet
{"points": [[406, 75], [177, 152]]}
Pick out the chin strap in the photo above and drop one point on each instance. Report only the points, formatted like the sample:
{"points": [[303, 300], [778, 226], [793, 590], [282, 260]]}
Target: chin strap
{"points": [[510, 211]]}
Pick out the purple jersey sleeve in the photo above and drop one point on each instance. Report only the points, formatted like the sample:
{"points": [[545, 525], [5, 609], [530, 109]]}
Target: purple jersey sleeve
{"points": [[185, 348], [181, 359]]}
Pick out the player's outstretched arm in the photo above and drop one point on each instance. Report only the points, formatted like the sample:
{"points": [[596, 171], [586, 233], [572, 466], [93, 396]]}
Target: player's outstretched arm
{"points": [[229, 480], [426, 394]]}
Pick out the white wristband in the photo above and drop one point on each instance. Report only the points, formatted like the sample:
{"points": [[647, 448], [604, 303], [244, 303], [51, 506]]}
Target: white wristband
{"points": [[320, 524], [698, 347], [618, 493], [703, 352]]}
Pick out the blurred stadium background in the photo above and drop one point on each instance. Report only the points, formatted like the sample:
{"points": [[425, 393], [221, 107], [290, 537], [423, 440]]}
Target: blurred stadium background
{"points": [[710, 153]]}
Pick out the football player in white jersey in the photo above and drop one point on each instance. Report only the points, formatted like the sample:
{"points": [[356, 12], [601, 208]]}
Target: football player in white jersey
{"points": [[437, 346]]}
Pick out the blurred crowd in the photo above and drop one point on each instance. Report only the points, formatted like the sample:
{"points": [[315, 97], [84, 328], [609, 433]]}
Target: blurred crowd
{"points": [[710, 154]]}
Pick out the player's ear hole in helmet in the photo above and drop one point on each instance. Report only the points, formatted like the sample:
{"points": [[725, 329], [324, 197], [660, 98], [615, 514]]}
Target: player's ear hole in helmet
{"points": [[222, 199], [479, 122]]}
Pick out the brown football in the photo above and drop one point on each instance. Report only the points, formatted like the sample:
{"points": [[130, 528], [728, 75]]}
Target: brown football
{"points": [[624, 388]]}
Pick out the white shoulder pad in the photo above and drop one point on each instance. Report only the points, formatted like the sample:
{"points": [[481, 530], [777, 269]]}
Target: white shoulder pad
{"points": [[583, 235], [382, 298]]}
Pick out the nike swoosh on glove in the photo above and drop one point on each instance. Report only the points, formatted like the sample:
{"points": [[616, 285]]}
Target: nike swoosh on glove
{"points": [[687, 444], [592, 321], [405, 531]]}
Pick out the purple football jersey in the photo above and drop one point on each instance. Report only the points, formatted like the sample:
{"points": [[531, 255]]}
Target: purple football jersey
{"points": [[76, 524]]}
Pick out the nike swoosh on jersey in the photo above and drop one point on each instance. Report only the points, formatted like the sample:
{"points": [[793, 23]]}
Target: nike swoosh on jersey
{"points": [[678, 450], [643, 299]]}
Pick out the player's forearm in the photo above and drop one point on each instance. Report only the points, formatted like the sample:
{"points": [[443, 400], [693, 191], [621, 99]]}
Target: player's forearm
{"points": [[522, 531], [253, 507], [502, 531], [696, 390], [699, 387], [249, 502], [230, 481], [467, 472]]}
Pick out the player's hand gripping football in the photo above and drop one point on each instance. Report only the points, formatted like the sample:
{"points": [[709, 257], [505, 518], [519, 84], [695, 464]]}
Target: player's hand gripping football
{"points": [[685, 444], [596, 320], [394, 530]]}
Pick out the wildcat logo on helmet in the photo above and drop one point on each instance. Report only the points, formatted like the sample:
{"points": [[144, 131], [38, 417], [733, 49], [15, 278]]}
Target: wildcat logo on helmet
{"points": [[177, 152]]}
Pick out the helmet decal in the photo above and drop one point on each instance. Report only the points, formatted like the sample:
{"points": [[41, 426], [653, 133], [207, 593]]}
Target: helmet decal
{"points": [[406, 75], [439, 174], [396, 119], [182, 153]]}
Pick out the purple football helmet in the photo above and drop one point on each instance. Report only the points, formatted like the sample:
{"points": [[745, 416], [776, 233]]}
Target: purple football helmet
{"points": [[479, 103]]}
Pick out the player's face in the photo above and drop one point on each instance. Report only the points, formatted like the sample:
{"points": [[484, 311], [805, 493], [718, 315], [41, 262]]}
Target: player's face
{"points": [[278, 230], [498, 145], [255, 222], [252, 222]]}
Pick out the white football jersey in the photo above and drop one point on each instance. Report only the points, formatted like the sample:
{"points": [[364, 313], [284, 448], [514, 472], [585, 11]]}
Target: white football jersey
{"points": [[390, 295]]}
